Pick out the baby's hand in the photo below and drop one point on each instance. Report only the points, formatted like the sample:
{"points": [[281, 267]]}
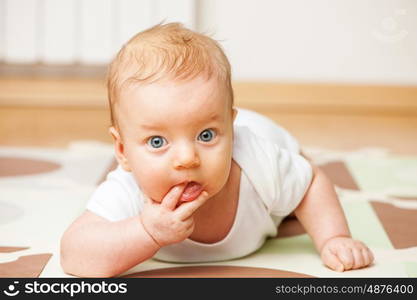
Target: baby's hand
{"points": [[343, 253], [168, 224]]}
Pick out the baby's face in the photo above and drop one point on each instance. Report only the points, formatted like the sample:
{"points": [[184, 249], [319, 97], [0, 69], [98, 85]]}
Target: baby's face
{"points": [[177, 132]]}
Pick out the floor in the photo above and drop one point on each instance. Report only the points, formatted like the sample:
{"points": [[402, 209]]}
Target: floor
{"points": [[43, 186], [377, 189], [54, 112]]}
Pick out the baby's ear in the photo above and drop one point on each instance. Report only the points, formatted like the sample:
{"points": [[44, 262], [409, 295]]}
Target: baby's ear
{"points": [[119, 149]]}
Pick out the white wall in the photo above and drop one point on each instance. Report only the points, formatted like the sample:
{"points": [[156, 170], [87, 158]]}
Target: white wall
{"points": [[361, 41]]}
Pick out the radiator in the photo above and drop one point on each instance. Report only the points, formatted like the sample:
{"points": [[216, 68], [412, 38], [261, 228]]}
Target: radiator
{"points": [[86, 32]]}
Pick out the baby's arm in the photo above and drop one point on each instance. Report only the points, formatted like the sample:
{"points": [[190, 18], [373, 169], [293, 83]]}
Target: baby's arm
{"points": [[95, 247], [322, 216]]}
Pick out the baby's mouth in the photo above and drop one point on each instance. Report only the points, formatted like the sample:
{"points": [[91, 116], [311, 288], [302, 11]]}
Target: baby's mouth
{"points": [[191, 191]]}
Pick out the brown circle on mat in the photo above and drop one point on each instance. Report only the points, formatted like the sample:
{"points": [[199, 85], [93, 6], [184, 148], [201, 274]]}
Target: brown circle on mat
{"points": [[216, 272], [18, 166], [4, 249], [30, 266]]}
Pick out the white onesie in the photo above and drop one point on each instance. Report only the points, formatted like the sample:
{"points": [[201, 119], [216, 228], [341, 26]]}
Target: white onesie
{"points": [[273, 181]]}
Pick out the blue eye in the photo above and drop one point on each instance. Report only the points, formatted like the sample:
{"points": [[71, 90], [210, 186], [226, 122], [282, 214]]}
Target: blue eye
{"points": [[207, 135], [156, 141]]}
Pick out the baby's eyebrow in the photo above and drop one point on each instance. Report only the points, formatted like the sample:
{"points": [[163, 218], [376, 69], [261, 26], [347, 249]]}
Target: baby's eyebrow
{"points": [[213, 117], [151, 127], [210, 118]]}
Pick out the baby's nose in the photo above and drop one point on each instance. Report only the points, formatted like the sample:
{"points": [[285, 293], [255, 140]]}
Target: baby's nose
{"points": [[186, 157]]}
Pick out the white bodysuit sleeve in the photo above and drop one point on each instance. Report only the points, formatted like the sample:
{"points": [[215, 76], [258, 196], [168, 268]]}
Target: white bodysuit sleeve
{"points": [[117, 198], [294, 175], [280, 176]]}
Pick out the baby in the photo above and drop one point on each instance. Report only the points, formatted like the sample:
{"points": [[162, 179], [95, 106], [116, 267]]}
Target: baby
{"points": [[198, 179]]}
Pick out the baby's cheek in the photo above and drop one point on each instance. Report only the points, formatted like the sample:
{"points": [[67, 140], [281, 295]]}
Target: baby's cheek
{"points": [[152, 190], [151, 183], [217, 172]]}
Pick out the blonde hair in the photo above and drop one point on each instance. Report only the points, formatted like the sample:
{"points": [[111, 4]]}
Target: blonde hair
{"points": [[166, 51]]}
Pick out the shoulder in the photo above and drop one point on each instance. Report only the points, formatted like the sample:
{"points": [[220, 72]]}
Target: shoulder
{"points": [[118, 197], [274, 172], [257, 159], [248, 145], [264, 127], [124, 179]]}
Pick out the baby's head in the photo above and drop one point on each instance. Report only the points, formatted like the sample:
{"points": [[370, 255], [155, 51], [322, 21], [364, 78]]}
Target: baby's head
{"points": [[172, 112]]}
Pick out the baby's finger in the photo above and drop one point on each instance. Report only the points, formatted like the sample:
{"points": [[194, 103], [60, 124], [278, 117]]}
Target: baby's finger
{"points": [[189, 230], [188, 222], [368, 256], [346, 257], [371, 255], [187, 209], [332, 261], [359, 260], [191, 224], [172, 197]]}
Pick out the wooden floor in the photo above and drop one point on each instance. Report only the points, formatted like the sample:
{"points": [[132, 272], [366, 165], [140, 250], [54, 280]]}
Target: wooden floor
{"points": [[52, 113]]}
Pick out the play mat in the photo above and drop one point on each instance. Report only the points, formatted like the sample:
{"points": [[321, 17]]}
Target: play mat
{"points": [[42, 190]]}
